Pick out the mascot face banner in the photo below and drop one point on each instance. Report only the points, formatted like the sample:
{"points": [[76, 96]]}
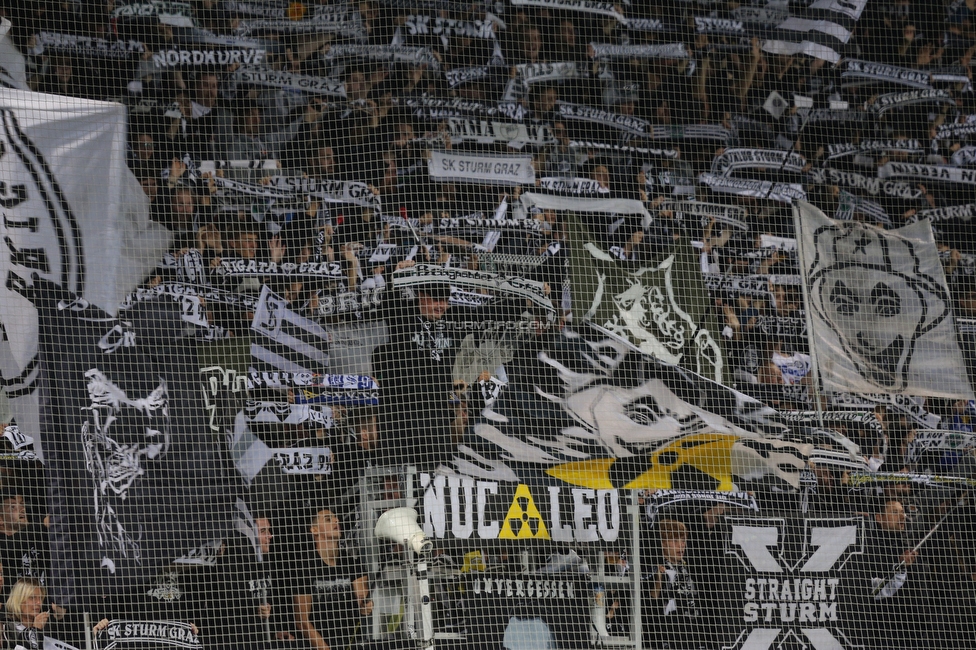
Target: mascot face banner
{"points": [[880, 308]]}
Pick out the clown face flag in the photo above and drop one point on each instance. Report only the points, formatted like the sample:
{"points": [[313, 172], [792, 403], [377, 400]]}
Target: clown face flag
{"points": [[640, 303], [880, 308]]}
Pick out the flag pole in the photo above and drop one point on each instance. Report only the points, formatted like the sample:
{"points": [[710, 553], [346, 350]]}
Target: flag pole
{"points": [[814, 364]]}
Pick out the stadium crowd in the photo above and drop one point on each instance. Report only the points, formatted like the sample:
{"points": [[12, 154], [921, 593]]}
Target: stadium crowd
{"points": [[349, 140]]}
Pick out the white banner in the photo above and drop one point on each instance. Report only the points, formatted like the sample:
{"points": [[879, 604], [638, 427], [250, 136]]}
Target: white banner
{"points": [[879, 307], [495, 170], [73, 214]]}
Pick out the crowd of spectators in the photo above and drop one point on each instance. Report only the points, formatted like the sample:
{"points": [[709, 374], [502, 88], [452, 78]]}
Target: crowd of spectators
{"points": [[314, 145]]}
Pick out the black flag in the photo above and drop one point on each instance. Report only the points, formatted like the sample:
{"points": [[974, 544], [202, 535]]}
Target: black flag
{"points": [[134, 477]]}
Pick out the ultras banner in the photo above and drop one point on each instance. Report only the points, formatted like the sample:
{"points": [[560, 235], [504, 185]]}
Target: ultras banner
{"points": [[68, 195], [880, 308]]}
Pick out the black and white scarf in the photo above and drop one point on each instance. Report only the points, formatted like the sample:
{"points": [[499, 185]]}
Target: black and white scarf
{"points": [[627, 123], [398, 53], [965, 212], [782, 192], [873, 186], [608, 51], [857, 72], [845, 149], [775, 159], [943, 173], [884, 103], [87, 47], [291, 81]]}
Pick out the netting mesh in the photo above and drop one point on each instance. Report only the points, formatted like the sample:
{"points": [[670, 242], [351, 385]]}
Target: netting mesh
{"points": [[523, 324]]}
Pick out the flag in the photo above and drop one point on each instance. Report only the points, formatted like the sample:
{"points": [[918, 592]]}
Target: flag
{"points": [[661, 308], [134, 476], [880, 308], [73, 214], [283, 340], [13, 71], [601, 415]]}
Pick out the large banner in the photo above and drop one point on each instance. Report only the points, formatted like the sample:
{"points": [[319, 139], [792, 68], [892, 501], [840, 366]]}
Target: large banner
{"points": [[798, 583], [639, 303], [135, 478], [880, 308], [73, 214]]}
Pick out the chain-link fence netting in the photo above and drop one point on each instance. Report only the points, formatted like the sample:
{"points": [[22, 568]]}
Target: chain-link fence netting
{"points": [[522, 324]]}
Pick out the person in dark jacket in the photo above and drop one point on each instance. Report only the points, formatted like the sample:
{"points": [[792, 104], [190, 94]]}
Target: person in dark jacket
{"points": [[420, 421]]}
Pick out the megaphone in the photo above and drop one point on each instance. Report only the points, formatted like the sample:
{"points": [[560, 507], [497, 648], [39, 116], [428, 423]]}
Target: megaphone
{"points": [[400, 525]]}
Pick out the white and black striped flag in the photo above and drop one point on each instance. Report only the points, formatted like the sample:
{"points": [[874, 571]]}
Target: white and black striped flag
{"points": [[285, 341]]}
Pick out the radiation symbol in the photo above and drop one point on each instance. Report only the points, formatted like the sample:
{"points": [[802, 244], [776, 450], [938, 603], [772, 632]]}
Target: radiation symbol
{"points": [[523, 520]]}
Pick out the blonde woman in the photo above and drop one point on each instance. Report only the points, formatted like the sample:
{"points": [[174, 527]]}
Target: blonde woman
{"points": [[25, 616]]}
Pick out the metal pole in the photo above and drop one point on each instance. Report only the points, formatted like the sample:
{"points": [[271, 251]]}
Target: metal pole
{"points": [[636, 564]]}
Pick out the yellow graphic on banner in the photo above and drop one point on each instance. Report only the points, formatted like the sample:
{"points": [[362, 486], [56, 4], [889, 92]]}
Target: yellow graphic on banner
{"points": [[709, 453], [523, 520]]}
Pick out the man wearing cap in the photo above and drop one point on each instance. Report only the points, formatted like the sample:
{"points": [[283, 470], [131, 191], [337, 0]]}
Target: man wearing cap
{"points": [[421, 417]]}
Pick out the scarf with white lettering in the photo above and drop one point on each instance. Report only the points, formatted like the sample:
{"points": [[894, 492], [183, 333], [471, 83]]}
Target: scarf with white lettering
{"points": [[782, 192], [844, 149], [957, 130], [902, 403], [505, 286], [773, 159], [459, 76], [962, 212], [621, 148], [884, 103], [165, 634], [581, 6], [419, 25], [873, 186], [627, 123], [942, 173], [438, 109], [177, 57], [729, 215], [291, 81], [325, 19], [86, 46], [753, 286], [492, 132], [230, 267], [177, 14], [579, 186], [608, 51], [330, 191], [855, 72], [392, 53]]}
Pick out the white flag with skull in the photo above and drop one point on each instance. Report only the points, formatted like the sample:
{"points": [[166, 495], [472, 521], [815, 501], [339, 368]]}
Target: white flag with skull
{"points": [[880, 309]]}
